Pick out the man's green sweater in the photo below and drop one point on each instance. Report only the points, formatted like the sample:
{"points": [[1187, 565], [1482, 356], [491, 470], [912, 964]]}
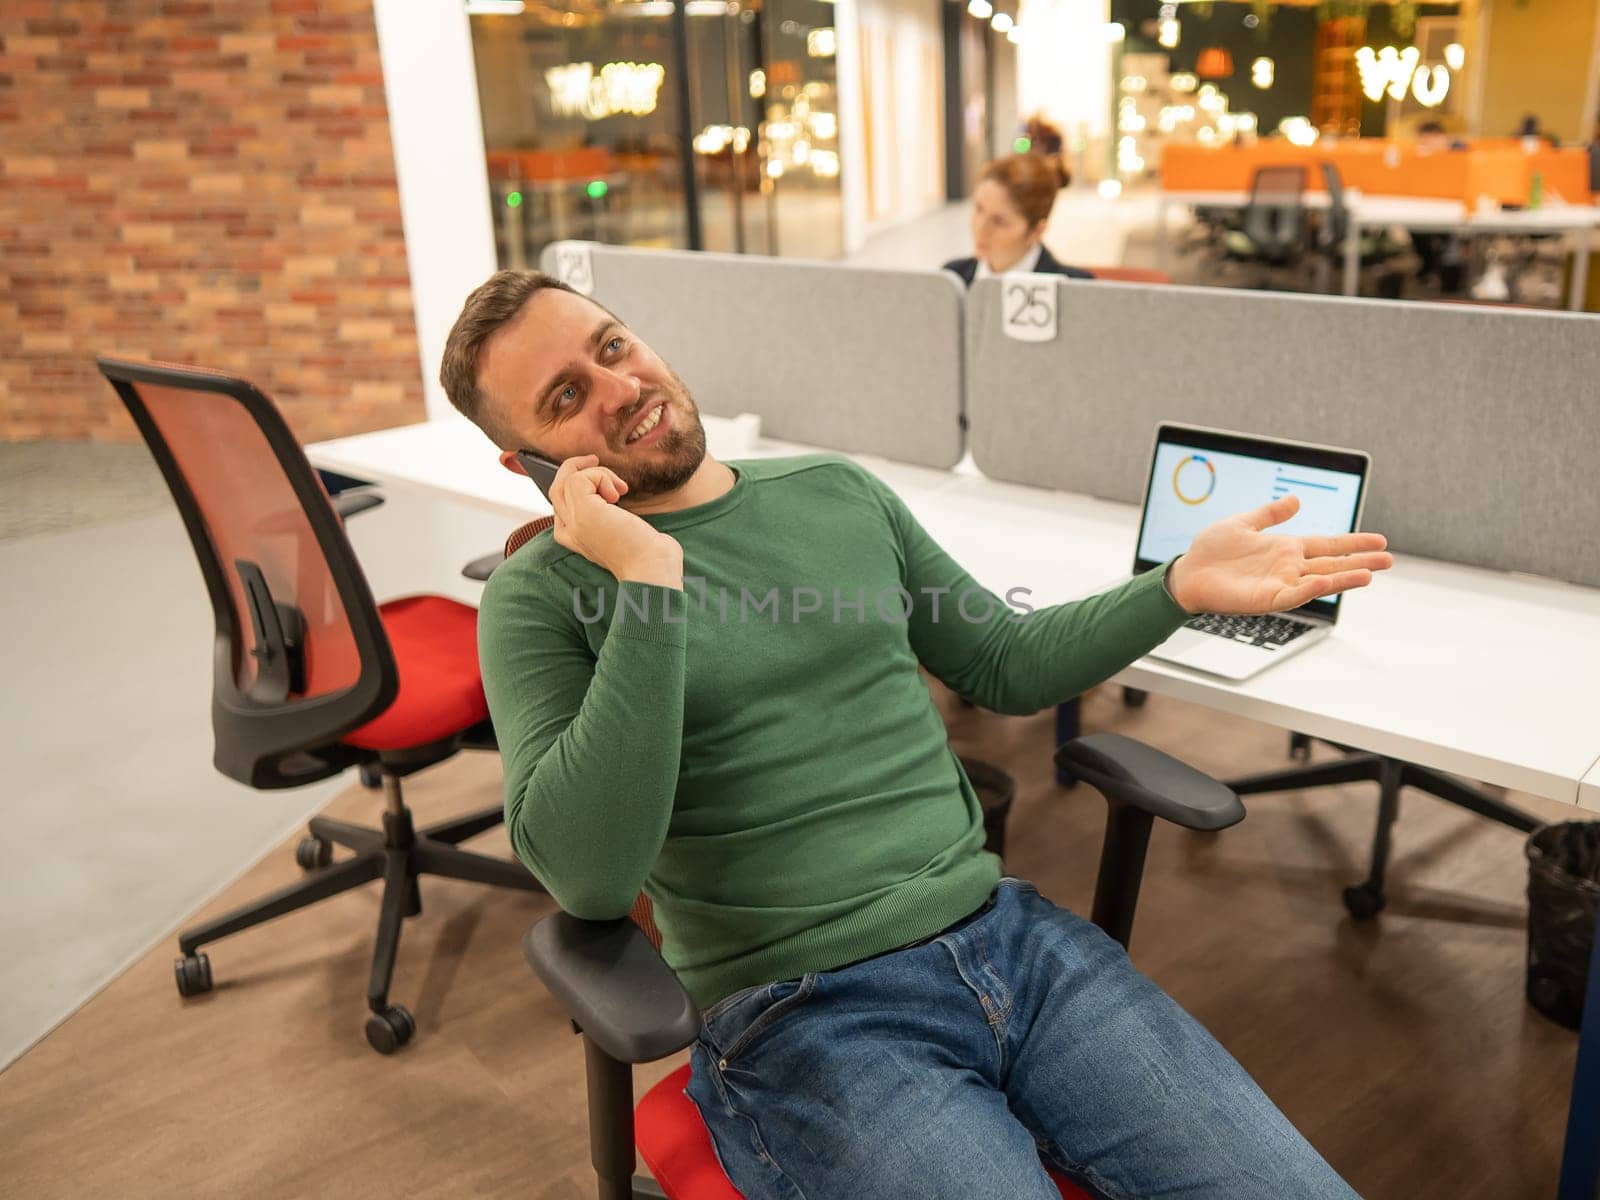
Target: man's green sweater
{"points": [[758, 752]]}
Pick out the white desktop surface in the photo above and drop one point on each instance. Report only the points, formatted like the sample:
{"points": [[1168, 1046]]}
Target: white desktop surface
{"points": [[1482, 673], [1589, 789]]}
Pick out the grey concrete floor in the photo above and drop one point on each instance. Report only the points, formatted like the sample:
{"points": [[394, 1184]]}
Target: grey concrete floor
{"points": [[47, 487]]}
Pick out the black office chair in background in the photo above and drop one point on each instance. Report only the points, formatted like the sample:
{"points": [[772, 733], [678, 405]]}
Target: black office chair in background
{"points": [[311, 676], [1377, 247], [1272, 228], [1367, 898], [630, 1008]]}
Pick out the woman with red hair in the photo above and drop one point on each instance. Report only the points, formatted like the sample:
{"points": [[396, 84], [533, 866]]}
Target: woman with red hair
{"points": [[1010, 209]]}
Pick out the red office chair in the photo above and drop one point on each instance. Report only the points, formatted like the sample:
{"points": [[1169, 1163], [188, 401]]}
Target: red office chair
{"points": [[310, 675], [630, 1008]]}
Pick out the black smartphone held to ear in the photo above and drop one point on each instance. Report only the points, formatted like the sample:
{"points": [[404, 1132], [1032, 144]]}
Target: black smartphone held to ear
{"points": [[540, 469]]}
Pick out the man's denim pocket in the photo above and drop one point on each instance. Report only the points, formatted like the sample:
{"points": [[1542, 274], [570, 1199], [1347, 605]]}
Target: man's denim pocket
{"points": [[734, 1030]]}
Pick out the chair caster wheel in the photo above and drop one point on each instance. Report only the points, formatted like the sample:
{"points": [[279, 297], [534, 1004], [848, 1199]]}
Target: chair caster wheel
{"points": [[1364, 901], [371, 776], [194, 974], [1134, 697], [390, 1029], [313, 853]]}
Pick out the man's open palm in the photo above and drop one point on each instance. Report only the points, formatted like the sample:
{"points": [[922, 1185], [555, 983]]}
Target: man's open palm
{"points": [[1234, 566]]}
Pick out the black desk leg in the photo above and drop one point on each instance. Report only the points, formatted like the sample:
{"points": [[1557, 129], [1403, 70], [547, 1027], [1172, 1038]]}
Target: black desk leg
{"points": [[1067, 728], [1580, 1161]]}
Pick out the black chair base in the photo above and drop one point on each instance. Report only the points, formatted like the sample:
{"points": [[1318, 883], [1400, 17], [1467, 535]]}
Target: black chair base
{"points": [[1366, 899], [397, 854]]}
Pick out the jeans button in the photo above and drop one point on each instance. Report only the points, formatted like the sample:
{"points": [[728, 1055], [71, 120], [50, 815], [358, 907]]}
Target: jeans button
{"points": [[722, 1064]]}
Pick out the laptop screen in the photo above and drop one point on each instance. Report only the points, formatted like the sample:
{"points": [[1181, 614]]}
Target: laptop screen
{"points": [[1201, 476]]}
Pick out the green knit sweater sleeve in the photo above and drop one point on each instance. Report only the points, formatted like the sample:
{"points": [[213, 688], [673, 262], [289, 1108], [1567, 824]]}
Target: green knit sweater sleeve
{"points": [[590, 742], [1014, 662]]}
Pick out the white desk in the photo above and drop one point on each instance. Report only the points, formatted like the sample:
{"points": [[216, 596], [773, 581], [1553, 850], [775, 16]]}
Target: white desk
{"points": [[1415, 213], [1480, 673], [1589, 789]]}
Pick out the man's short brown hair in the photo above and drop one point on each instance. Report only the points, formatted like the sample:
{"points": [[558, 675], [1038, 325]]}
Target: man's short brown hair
{"points": [[492, 305]]}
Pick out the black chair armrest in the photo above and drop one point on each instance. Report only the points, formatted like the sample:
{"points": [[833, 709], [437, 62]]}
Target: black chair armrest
{"points": [[347, 504], [481, 568], [614, 985], [1129, 772], [1139, 784]]}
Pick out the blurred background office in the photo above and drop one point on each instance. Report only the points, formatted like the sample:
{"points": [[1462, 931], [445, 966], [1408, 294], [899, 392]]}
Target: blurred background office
{"points": [[250, 170]]}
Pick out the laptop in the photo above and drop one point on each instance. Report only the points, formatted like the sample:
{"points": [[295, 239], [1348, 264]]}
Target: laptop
{"points": [[1198, 476]]}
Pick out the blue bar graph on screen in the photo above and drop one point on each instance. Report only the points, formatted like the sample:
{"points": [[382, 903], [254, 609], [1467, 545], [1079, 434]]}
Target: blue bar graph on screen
{"points": [[1285, 480]]}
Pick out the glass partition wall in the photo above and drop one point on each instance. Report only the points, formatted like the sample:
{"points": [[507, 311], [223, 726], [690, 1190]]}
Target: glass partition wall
{"points": [[587, 135]]}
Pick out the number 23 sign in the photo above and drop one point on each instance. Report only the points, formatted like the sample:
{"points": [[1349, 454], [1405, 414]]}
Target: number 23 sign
{"points": [[1028, 307]]}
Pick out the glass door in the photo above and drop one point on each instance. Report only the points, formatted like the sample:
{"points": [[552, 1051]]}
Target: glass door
{"points": [[580, 123], [800, 131], [724, 55], [713, 125]]}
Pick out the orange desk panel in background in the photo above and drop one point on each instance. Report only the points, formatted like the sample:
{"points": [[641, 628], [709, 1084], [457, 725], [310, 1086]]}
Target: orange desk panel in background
{"points": [[1501, 169], [1508, 171], [584, 162]]}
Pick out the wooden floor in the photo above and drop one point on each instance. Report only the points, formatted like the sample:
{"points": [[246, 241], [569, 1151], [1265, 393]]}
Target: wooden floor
{"points": [[1402, 1048]]}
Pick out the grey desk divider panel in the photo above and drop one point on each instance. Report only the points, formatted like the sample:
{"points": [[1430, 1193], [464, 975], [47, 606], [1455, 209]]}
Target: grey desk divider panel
{"points": [[1483, 424], [864, 360]]}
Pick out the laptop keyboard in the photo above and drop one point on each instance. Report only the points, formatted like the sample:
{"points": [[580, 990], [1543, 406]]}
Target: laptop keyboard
{"points": [[1269, 631]]}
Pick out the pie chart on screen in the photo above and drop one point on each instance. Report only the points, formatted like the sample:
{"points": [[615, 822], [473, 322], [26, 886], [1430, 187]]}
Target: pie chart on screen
{"points": [[1194, 479]]}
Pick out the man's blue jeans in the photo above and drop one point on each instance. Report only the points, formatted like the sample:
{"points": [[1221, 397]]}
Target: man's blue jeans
{"points": [[950, 1069]]}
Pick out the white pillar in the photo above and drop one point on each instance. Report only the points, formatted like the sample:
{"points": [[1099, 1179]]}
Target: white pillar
{"points": [[440, 167], [852, 123]]}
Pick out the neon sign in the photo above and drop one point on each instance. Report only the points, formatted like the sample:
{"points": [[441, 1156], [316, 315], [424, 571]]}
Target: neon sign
{"points": [[620, 88]]}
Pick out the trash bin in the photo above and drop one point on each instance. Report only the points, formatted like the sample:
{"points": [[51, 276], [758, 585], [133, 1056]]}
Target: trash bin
{"points": [[1563, 897], [996, 789]]}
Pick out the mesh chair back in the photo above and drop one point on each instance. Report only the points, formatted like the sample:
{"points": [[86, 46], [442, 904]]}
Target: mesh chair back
{"points": [[300, 653], [523, 534], [1338, 216], [1275, 217]]}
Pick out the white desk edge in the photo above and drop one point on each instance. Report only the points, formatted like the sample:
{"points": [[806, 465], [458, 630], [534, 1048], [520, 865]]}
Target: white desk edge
{"points": [[430, 457]]}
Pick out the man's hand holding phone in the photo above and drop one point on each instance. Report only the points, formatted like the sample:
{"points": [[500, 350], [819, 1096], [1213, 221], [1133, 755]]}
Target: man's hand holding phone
{"points": [[590, 522]]}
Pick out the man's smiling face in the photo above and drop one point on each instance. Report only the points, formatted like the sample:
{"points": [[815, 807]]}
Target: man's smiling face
{"points": [[568, 378]]}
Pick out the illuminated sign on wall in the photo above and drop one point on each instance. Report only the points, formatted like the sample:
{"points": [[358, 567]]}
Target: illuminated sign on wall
{"points": [[1387, 70], [620, 87], [1430, 86], [1394, 72]]}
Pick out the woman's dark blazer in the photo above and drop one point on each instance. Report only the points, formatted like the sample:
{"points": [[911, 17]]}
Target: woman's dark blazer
{"points": [[967, 268]]}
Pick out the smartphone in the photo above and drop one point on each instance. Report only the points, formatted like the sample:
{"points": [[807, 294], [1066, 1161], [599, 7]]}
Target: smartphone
{"points": [[540, 469]]}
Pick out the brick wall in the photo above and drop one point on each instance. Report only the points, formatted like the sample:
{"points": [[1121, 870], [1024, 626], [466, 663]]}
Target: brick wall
{"points": [[206, 182]]}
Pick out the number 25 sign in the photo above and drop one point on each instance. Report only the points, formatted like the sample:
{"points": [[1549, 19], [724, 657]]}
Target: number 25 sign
{"points": [[1028, 307]]}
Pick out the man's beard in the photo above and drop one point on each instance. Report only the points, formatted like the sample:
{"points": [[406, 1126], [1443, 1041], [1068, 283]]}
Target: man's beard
{"points": [[679, 453]]}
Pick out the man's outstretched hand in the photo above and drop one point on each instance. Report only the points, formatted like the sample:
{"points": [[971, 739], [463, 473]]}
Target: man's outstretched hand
{"points": [[1235, 566]]}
